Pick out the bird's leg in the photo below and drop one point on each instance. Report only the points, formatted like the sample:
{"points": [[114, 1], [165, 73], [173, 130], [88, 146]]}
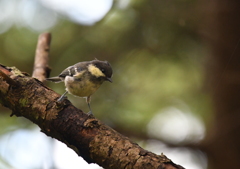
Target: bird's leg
{"points": [[88, 102], [62, 97]]}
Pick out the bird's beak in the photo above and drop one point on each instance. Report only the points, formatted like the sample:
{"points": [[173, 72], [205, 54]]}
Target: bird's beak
{"points": [[109, 79]]}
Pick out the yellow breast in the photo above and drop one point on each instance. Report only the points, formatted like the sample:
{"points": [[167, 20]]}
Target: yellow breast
{"points": [[81, 88]]}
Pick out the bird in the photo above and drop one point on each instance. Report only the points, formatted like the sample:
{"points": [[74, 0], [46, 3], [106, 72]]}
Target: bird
{"points": [[84, 78]]}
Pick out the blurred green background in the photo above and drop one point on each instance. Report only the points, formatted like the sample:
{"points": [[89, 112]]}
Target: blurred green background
{"points": [[158, 97]]}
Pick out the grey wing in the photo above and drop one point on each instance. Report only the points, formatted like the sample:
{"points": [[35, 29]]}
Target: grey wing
{"points": [[67, 72], [72, 70]]}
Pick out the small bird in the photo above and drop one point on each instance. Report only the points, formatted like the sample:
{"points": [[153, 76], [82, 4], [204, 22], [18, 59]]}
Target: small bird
{"points": [[84, 78]]}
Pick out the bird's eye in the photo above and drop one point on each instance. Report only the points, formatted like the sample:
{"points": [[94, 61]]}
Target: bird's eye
{"points": [[103, 70]]}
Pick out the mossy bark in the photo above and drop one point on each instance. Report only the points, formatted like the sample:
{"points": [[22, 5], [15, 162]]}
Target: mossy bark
{"points": [[87, 136]]}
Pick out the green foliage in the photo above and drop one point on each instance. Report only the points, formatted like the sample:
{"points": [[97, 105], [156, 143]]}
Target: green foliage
{"points": [[155, 52]]}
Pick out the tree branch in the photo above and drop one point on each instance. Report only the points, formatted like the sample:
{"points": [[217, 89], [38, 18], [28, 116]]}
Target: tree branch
{"points": [[41, 69], [86, 135]]}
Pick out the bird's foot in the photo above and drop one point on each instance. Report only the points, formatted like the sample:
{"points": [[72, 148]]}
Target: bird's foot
{"points": [[61, 98], [90, 113]]}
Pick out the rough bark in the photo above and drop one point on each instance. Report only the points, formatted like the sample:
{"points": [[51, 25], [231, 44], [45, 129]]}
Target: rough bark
{"points": [[87, 136]]}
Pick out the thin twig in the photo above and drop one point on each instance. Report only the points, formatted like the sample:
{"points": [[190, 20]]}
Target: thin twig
{"points": [[41, 69]]}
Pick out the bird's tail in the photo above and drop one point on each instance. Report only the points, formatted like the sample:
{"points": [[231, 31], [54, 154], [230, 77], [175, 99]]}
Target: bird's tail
{"points": [[54, 79]]}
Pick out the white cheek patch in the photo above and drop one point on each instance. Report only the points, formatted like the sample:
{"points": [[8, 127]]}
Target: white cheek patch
{"points": [[95, 71]]}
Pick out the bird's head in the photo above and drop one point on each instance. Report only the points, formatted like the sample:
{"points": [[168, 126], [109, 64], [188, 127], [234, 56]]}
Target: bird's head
{"points": [[101, 69]]}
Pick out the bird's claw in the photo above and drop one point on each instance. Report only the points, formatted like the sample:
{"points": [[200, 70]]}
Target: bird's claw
{"points": [[90, 113], [61, 98]]}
